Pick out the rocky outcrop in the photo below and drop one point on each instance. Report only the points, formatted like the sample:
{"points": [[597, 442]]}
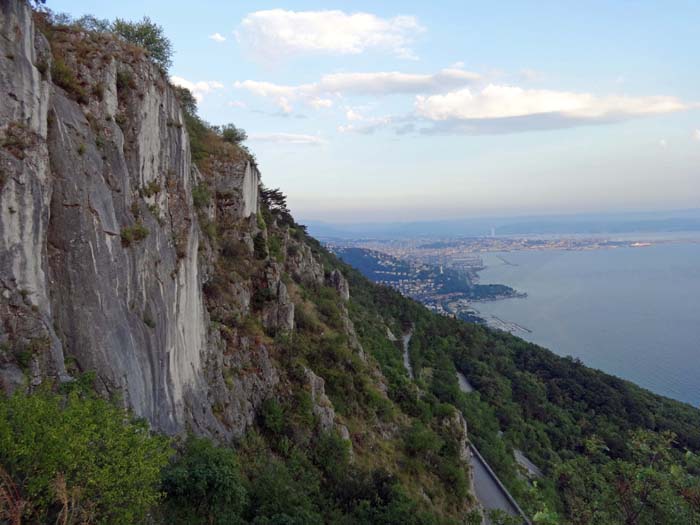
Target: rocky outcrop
{"points": [[302, 265], [101, 246], [340, 283], [236, 186], [322, 406], [240, 375], [278, 311]]}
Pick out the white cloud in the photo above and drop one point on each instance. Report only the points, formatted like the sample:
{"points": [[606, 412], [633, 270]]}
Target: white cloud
{"points": [[287, 138], [394, 82], [275, 33], [696, 135], [237, 104], [544, 108], [377, 83], [198, 89], [359, 123], [217, 37], [318, 103]]}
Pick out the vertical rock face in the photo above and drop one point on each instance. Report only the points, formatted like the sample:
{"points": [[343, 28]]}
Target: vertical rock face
{"points": [[108, 262], [25, 196], [131, 309], [236, 186], [98, 238], [277, 314], [340, 283]]}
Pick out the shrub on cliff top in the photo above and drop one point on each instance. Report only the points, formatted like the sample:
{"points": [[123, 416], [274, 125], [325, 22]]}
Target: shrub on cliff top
{"points": [[230, 133], [148, 35]]}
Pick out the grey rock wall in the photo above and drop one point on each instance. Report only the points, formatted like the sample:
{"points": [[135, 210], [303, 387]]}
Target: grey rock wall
{"points": [[107, 266], [73, 182]]}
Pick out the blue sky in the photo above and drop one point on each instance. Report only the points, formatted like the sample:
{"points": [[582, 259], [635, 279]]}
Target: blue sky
{"points": [[420, 110]]}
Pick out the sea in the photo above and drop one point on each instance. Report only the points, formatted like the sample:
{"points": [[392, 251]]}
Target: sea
{"points": [[633, 312]]}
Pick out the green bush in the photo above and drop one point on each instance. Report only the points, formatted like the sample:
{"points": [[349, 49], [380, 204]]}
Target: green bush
{"points": [[274, 246], [151, 189], [63, 76], [149, 36], [278, 498], [272, 415], [260, 246], [204, 485], [232, 134], [135, 233], [421, 440], [332, 454], [201, 196], [81, 457]]}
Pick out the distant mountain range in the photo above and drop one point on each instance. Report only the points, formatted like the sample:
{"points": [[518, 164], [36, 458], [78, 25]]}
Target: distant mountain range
{"points": [[612, 223]]}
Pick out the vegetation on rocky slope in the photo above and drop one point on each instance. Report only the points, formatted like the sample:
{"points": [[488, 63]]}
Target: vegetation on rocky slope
{"points": [[612, 452], [342, 435]]}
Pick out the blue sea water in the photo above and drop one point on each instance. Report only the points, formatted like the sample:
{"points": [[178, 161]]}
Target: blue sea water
{"points": [[632, 312]]}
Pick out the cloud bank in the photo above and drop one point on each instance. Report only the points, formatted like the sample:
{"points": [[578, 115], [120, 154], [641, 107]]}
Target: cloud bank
{"points": [[320, 94], [276, 33], [505, 109], [495, 101]]}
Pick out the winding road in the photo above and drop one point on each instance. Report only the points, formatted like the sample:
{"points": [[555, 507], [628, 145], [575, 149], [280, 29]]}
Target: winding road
{"points": [[490, 492]]}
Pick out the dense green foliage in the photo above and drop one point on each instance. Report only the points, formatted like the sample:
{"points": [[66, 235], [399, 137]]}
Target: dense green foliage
{"points": [[144, 34], [76, 458], [204, 485], [230, 133], [149, 36], [551, 407]]}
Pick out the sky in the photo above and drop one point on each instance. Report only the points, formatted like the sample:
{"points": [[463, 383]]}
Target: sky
{"points": [[395, 111]]}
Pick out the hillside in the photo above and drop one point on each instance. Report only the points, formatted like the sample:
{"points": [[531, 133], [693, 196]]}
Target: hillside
{"points": [[175, 348]]}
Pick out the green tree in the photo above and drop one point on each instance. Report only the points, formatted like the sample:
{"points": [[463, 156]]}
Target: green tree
{"points": [[230, 133], [204, 485], [278, 497], [649, 487], [79, 458], [148, 35]]}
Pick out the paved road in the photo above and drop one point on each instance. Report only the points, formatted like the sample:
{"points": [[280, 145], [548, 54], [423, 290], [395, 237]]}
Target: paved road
{"points": [[490, 492]]}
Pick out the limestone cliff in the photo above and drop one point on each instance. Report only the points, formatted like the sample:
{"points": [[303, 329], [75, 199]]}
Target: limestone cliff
{"points": [[112, 239]]}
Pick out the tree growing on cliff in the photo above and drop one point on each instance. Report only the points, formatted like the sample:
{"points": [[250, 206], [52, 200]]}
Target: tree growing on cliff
{"points": [[230, 133], [276, 203], [148, 35]]}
